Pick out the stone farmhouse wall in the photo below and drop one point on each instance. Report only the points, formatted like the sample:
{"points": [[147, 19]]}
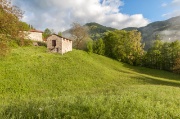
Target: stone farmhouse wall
{"points": [[59, 44], [34, 35]]}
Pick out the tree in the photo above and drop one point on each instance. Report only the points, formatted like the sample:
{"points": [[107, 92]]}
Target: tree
{"points": [[163, 55], [90, 46], [46, 33], [60, 33], [79, 34], [9, 15], [10, 24], [99, 47], [154, 55], [176, 67], [23, 26], [124, 46]]}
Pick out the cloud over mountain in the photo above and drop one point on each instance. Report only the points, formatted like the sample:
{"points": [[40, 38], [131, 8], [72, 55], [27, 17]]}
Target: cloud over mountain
{"points": [[59, 14], [175, 6]]}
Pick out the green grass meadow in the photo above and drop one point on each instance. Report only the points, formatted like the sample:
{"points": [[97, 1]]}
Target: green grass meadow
{"points": [[36, 84]]}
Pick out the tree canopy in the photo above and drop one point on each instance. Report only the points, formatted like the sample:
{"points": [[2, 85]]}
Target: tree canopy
{"points": [[79, 34], [124, 46]]}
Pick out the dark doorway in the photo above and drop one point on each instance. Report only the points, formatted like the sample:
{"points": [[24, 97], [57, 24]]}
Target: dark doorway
{"points": [[53, 43], [57, 49]]}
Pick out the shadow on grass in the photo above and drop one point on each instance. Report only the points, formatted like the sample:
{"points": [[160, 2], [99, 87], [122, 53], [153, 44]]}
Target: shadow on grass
{"points": [[153, 76], [50, 110], [156, 81], [153, 72]]}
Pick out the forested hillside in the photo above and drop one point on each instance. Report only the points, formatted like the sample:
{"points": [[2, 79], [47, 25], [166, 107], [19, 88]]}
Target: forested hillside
{"points": [[97, 31], [168, 31]]}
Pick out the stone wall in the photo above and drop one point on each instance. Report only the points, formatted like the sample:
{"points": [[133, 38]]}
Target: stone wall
{"points": [[58, 47], [63, 45], [36, 36], [66, 45]]}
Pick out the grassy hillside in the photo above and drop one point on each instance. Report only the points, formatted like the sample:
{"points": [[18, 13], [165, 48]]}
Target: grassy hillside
{"points": [[37, 84]]}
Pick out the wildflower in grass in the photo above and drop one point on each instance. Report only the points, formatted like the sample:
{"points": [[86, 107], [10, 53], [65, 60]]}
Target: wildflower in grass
{"points": [[40, 109]]}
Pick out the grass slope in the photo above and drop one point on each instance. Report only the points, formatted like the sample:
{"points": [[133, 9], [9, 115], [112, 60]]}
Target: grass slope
{"points": [[37, 84]]}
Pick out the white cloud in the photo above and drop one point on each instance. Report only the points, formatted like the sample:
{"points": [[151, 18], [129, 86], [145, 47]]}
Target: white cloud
{"points": [[175, 9], [172, 14], [176, 2], [164, 4], [59, 14]]}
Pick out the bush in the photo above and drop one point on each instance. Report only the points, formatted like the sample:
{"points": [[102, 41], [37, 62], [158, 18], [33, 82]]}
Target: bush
{"points": [[42, 43], [4, 48], [23, 42], [90, 47], [176, 67]]}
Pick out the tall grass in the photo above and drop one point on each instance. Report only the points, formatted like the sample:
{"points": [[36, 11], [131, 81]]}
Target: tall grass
{"points": [[38, 84]]}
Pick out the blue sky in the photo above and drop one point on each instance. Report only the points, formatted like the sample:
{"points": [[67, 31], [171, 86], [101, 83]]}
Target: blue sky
{"points": [[151, 9], [60, 14]]}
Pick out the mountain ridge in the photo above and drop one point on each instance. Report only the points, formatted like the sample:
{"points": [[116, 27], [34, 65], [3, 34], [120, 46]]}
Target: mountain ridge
{"points": [[168, 30]]}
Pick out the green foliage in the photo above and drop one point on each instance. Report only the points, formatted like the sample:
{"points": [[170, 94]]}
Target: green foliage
{"points": [[60, 33], [167, 29], [124, 46], [42, 43], [37, 84], [10, 25], [90, 47], [5, 43], [79, 34], [47, 32], [4, 49], [97, 31], [23, 42], [163, 55], [9, 15], [24, 26], [99, 47]]}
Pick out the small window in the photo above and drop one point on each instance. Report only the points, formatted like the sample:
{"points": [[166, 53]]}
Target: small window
{"points": [[54, 43]]}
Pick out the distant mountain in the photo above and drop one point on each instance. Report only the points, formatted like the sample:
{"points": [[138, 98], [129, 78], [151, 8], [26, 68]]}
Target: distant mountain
{"points": [[96, 30], [130, 28], [168, 30]]}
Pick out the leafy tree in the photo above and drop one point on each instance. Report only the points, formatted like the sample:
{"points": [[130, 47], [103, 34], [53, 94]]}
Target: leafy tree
{"points": [[134, 47], [79, 34], [124, 46], [153, 56], [110, 40], [90, 46], [9, 15], [47, 32], [24, 26], [60, 33], [163, 55], [176, 67], [10, 24], [4, 48], [99, 47]]}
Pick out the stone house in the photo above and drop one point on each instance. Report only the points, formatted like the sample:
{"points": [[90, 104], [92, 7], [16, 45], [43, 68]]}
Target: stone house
{"points": [[56, 43], [34, 35]]}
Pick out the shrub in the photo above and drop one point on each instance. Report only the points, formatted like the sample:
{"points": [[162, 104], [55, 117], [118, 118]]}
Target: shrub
{"points": [[23, 42], [90, 47], [42, 43], [4, 48], [176, 67]]}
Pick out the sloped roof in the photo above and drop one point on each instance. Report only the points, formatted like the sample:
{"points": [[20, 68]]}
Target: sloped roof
{"points": [[60, 37], [36, 31]]}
